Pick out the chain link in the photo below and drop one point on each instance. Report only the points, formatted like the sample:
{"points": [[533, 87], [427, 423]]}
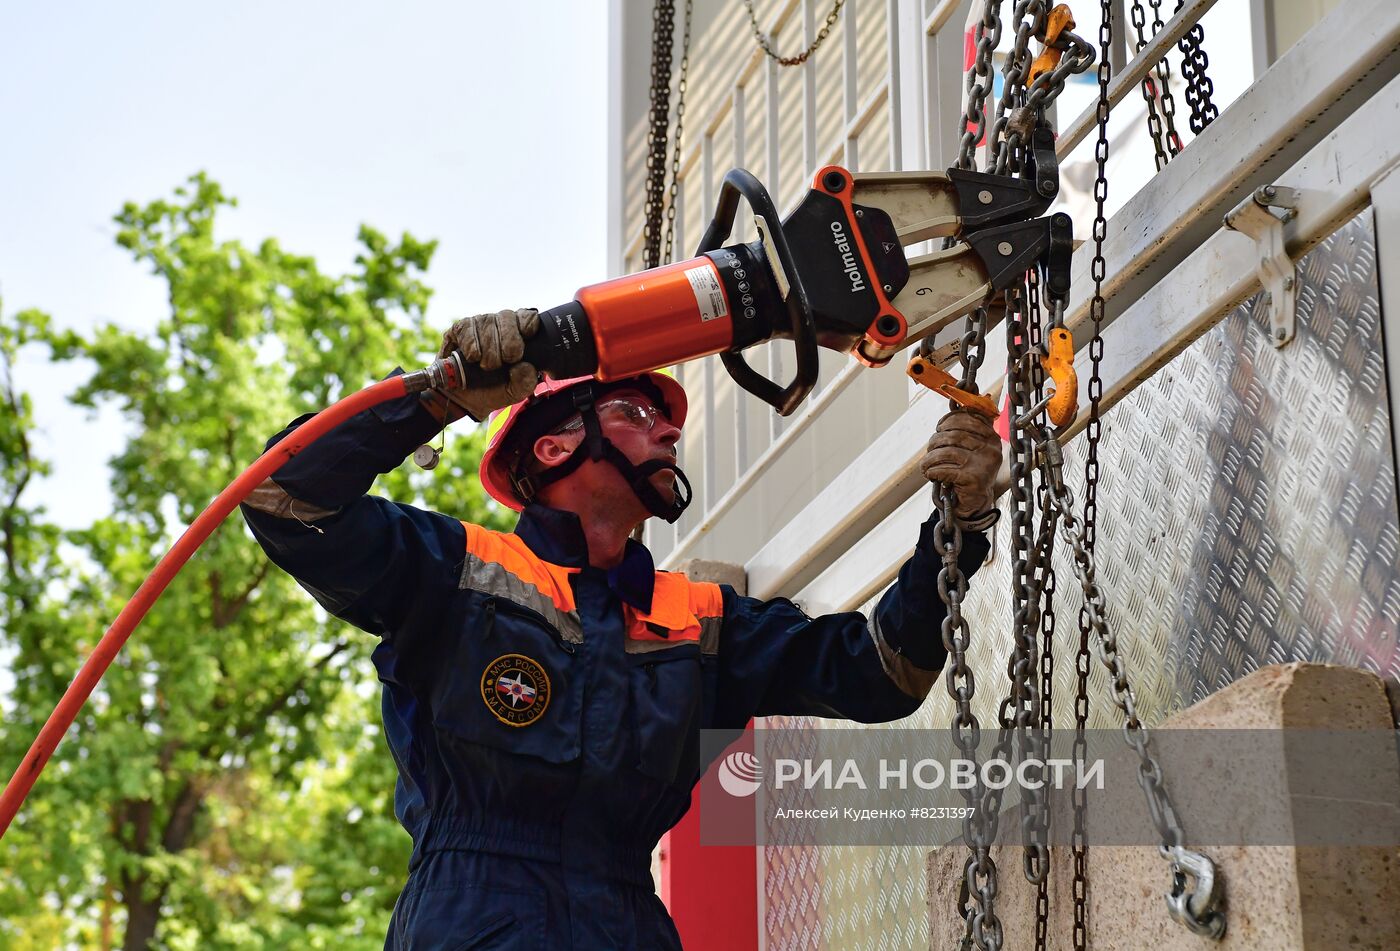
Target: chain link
{"points": [[1093, 432], [1156, 90], [800, 58], [663, 24], [1199, 88], [1138, 15], [1164, 77], [1105, 644], [680, 125], [980, 921], [987, 36], [1020, 715], [1028, 17], [1020, 711], [1020, 107], [1044, 582], [979, 874]]}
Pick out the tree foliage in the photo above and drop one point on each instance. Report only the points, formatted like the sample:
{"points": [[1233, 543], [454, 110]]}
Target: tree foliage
{"points": [[227, 785]]}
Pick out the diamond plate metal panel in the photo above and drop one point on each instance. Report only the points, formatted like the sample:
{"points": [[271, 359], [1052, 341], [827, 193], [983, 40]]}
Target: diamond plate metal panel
{"points": [[1247, 517]]}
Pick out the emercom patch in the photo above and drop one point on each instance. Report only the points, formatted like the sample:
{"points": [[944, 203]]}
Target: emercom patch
{"points": [[515, 689]]}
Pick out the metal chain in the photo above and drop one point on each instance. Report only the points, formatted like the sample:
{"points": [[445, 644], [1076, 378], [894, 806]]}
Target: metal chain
{"points": [[1044, 582], [1199, 88], [980, 922], [1164, 76], [1020, 711], [1138, 16], [982, 925], [1028, 17], [1020, 716], [1045, 90], [800, 58], [979, 85], [1105, 643], [680, 125], [1198, 912], [663, 24], [1150, 93], [979, 874], [1080, 535], [1020, 107], [1092, 434]]}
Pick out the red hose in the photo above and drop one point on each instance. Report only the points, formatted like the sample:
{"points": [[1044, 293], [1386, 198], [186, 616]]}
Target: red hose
{"points": [[106, 651]]}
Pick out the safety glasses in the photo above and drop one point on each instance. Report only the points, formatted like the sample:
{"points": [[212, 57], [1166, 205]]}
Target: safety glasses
{"points": [[632, 410]]}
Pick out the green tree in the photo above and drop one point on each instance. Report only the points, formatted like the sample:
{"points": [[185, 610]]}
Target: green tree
{"points": [[226, 786]]}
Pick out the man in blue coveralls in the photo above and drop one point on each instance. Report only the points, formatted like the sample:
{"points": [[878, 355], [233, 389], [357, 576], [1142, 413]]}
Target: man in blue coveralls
{"points": [[544, 689]]}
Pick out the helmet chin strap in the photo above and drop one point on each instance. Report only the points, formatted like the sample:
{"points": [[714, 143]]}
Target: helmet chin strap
{"points": [[638, 477]]}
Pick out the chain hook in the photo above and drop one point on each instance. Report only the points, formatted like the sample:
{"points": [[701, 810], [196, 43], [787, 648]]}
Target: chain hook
{"points": [[1197, 909]]}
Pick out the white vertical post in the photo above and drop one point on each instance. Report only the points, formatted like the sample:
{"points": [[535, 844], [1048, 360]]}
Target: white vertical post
{"points": [[773, 129], [895, 99], [710, 436], [707, 173], [617, 137], [678, 252], [741, 122], [850, 66], [774, 183], [809, 96], [912, 112], [1263, 34], [943, 80]]}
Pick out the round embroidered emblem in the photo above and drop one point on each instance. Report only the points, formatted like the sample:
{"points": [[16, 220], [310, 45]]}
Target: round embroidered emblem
{"points": [[515, 689]]}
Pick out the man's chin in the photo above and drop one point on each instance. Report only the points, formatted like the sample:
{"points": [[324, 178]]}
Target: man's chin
{"points": [[665, 483]]}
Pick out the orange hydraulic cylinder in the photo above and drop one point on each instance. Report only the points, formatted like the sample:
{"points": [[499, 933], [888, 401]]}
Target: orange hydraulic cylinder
{"points": [[658, 318]]}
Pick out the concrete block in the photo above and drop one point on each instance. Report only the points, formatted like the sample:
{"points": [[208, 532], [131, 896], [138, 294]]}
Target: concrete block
{"points": [[1280, 898], [718, 572]]}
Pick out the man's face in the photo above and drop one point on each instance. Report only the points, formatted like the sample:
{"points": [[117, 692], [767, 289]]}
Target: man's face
{"points": [[639, 430]]}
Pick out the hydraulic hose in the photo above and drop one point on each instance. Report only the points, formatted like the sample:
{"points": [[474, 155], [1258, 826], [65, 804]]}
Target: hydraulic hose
{"points": [[443, 374]]}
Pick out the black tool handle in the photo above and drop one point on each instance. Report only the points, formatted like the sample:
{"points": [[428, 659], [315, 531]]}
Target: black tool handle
{"points": [[563, 348], [740, 183]]}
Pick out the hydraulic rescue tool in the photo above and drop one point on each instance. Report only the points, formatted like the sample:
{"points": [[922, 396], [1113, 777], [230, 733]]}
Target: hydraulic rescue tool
{"points": [[832, 274]]}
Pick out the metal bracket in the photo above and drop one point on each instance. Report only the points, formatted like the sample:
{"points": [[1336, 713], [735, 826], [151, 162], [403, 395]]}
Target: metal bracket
{"points": [[1276, 270]]}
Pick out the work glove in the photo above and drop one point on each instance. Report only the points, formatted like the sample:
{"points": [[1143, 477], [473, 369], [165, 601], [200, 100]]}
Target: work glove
{"points": [[492, 341], [966, 453]]}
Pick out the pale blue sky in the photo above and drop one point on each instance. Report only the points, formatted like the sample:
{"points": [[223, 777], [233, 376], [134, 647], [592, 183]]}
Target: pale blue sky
{"points": [[481, 124]]}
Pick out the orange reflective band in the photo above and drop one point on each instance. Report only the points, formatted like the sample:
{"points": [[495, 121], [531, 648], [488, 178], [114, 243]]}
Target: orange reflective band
{"points": [[511, 553], [681, 611]]}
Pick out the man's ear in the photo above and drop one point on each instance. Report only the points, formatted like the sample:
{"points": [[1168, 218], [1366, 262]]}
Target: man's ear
{"points": [[553, 449]]}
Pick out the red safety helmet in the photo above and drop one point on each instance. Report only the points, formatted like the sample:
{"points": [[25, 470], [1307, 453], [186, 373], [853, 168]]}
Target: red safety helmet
{"points": [[541, 412]]}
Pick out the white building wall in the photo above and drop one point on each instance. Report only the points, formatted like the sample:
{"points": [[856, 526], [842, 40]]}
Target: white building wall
{"points": [[758, 476]]}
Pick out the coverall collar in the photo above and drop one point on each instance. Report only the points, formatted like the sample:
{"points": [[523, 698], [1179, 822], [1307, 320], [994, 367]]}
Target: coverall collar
{"points": [[557, 537]]}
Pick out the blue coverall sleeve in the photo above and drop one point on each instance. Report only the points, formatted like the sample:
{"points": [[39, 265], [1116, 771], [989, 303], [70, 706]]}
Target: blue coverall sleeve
{"points": [[374, 563], [774, 659]]}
